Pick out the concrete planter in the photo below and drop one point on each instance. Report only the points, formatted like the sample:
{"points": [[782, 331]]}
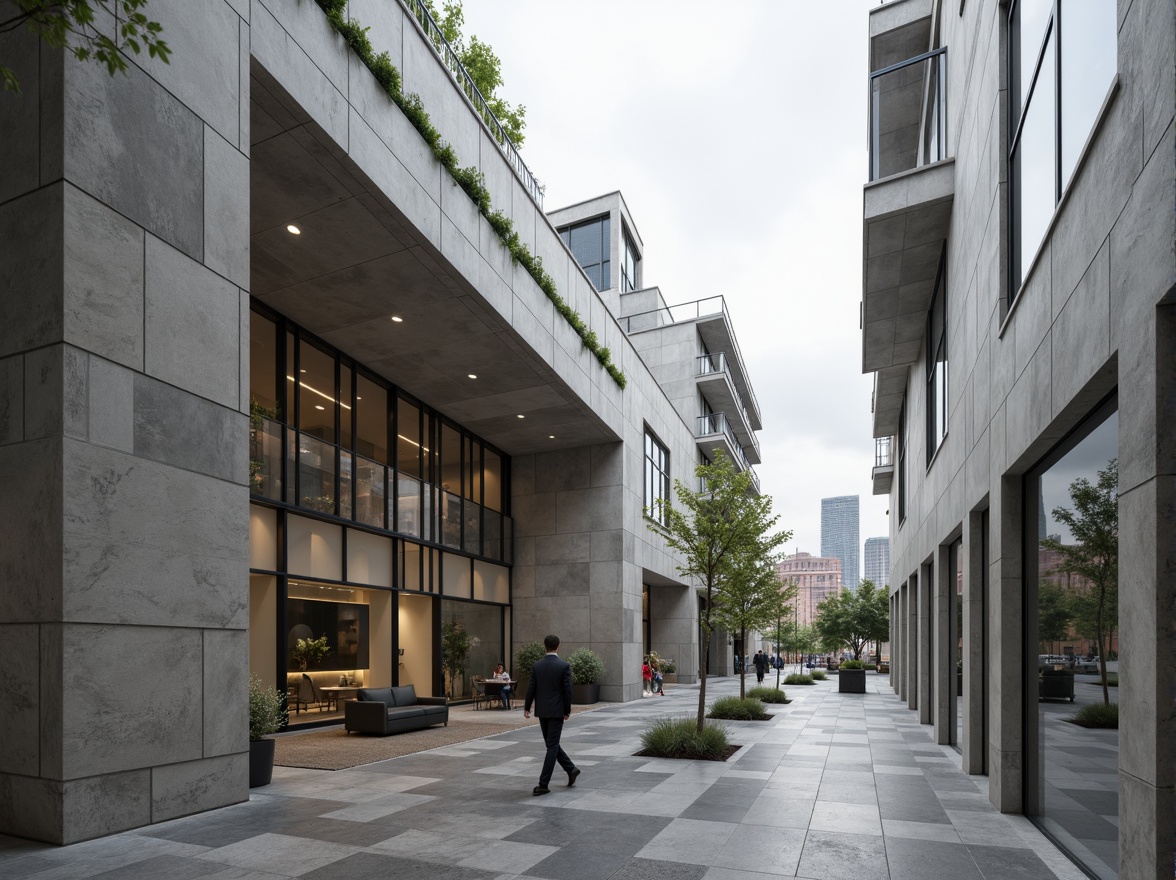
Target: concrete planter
{"points": [[1056, 686], [670, 677], [851, 681], [585, 694], [261, 762]]}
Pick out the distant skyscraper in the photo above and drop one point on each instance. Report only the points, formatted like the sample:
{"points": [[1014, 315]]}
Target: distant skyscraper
{"points": [[878, 561], [840, 537]]}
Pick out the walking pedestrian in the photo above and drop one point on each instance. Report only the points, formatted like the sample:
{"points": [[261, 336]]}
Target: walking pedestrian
{"points": [[550, 690]]}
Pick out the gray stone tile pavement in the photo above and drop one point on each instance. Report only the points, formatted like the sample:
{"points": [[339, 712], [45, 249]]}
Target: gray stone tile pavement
{"points": [[832, 787]]}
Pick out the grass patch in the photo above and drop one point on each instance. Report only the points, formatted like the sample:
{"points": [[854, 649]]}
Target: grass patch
{"points": [[818, 675], [679, 738], [1112, 679], [768, 695], [1099, 715], [798, 678], [738, 709]]}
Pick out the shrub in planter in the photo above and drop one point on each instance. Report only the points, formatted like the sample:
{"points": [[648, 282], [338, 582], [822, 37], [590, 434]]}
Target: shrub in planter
{"points": [[852, 664], [587, 671], [1102, 715], [528, 655], [768, 695], [679, 738], [737, 709], [798, 678], [819, 675], [267, 714]]}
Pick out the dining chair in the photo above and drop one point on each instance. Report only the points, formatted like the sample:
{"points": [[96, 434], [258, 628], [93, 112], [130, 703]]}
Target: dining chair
{"points": [[480, 696]]}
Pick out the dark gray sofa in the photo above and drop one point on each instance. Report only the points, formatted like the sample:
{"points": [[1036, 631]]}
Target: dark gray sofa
{"points": [[393, 710]]}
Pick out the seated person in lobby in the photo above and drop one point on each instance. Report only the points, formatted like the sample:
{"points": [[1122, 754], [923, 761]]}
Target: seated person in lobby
{"points": [[500, 674]]}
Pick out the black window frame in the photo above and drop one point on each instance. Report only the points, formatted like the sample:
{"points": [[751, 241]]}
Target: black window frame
{"points": [[656, 478], [600, 271], [902, 461], [937, 362], [630, 278]]}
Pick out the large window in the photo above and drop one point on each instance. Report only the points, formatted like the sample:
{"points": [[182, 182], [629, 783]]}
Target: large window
{"points": [[589, 244], [937, 363], [657, 479], [1071, 625], [902, 462], [1062, 58], [630, 264]]}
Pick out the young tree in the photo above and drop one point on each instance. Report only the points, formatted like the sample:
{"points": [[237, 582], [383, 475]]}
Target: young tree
{"points": [[798, 640], [1053, 614], [717, 531], [853, 618], [72, 25], [753, 599], [483, 66], [1094, 555]]}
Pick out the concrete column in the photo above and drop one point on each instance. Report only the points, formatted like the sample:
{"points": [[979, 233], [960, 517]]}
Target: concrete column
{"points": [[674, 628], [123, 430], [912, 640], [973, 636], [1006, 648], [1147, 601], [927, 576], [944, 674], [895, 644]]}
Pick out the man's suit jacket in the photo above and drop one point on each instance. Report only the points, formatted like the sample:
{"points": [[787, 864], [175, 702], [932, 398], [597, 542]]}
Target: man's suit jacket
{"points": [[550, 688]]}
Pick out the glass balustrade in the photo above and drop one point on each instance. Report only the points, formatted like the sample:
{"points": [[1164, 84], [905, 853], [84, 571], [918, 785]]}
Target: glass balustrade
{"points": [[265, 458], [908, 114]]}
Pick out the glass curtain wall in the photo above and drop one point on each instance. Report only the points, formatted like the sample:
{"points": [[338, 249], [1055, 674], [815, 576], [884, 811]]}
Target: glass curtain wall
{"points": [[472, 643], [956, 640], [1071, 522]]}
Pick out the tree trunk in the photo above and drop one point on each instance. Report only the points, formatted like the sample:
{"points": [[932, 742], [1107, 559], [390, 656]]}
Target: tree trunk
{"points": [[743, 665], [1102, 653], [702, 680]]}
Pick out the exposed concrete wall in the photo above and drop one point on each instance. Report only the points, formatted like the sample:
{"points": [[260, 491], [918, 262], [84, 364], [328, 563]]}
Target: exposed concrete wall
{"points": [[124, 315], [1091, 317]]}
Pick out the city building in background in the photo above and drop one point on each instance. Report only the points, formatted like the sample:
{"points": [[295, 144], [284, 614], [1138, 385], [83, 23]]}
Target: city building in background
{"points": [[816, 577], [1019, 321], [287, 406], [840, 536], [877, 565]]}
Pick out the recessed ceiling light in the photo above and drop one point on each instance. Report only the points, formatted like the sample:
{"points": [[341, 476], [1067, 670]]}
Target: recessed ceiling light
{"points": [[396, 319], [550, 436], [520, 416], [472, 375], [316, 406], [302, 371], [293, 230]]}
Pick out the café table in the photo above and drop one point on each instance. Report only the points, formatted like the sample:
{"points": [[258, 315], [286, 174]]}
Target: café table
{"points": [[494, 689], [338, 694]]}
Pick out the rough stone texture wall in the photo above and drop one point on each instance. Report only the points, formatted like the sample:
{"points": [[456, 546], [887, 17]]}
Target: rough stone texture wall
{"points": [[123, 504], [1093, 315]]}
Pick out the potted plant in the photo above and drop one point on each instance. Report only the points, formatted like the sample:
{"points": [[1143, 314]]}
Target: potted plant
{"points": [[529, 654], [266, 715], [455, 654], [587, 670], [310, 651], [851, 677]]}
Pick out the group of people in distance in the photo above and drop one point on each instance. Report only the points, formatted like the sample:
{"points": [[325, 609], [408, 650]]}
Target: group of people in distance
{"points": [[651, 678]]}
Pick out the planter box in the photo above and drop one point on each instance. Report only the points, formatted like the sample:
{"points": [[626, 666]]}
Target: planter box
{"points": [[1058, 686], [261, 762], [670, 677], [585, 694], [851, 681]]}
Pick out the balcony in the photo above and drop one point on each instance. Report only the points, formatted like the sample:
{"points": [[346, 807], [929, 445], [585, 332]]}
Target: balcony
{"points": [[714, 432], [717, 384], [908, 201], [702, 488], [883, 475], [714, 328]]}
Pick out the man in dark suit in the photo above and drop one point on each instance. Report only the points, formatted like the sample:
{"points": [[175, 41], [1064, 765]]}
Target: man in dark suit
{"points": [[550, 689]]}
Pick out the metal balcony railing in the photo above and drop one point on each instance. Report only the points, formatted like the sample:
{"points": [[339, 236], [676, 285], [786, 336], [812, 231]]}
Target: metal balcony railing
{"points": [[717, 423], [712, 364], [882, 452], [908, 114], [466, 83], [666, 315]]}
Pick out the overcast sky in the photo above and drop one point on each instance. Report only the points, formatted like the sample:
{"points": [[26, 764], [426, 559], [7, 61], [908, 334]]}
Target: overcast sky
{"points": [[737, 133]]}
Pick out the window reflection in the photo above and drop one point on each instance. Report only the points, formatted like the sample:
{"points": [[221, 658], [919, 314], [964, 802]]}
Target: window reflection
{"points": [[1088, 66], [589, 244]]}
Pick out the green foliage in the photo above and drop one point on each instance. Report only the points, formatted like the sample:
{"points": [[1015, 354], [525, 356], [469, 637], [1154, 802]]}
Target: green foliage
{"points": [[1112, 679], [70, 24], [471, 181], [722, 534], [767, 695], [456, 642], [587, 667], [737, 709], [798, 678], [1094, 556], [818, 675], [753, 599], [681, 738], [852, 664], [1102, 715], [267, 711], [308, 652], [528, 655], [854, 617], [1053, 613], [483, 66]]}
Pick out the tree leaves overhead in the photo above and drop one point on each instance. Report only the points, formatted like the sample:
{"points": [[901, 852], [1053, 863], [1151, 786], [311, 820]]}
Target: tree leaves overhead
{"points": [[98, 30], [852, 618]]}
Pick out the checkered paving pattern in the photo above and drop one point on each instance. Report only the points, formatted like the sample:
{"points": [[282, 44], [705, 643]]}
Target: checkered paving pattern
{"points": [[834, 786]]}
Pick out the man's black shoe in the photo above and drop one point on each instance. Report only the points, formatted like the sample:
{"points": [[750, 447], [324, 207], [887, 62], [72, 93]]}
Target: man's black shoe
{"points": [[572, 776], [540, 789]]}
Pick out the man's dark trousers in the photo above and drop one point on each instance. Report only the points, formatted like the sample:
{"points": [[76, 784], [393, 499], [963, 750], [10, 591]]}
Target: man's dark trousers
{"points": [[552, 728]]}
